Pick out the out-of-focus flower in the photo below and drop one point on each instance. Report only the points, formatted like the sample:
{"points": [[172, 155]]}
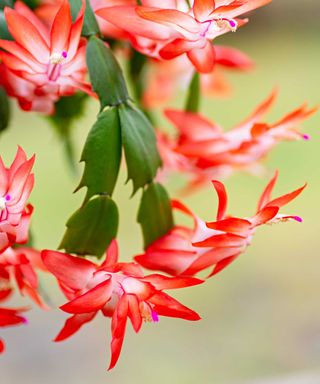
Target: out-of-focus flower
{"points": [[8, 316], [43, 64], [16, 183], [169, 30], [21, 264], [166, 76], [213, 153], [118, 290], [187, 251]]}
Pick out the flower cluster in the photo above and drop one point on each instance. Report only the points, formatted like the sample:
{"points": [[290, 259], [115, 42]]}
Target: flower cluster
{"points": [[17, 263], [63, 49], [44, 62]]}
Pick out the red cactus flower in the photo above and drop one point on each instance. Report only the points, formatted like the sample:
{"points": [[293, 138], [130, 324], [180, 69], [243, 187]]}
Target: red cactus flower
{"points": [[165, 77], [118, 290], [21, 265], [175, 31], [15, 187], [210, 152], [52, 60], [187, 251]]}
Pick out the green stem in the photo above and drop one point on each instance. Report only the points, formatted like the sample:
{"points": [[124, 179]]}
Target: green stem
{"points": [[193, 99]]}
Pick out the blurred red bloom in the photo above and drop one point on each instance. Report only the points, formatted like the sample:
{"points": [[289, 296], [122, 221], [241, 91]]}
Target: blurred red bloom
{"points": [[186, 251], [8, 316], [118, 290], [16, 184], [166, 76], [43, 64], [209, 152], [21, 264], [170, 30]]}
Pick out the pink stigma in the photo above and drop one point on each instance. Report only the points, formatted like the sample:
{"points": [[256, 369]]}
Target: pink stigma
{"points": [[298, 218], [306, 137], [64, 54], [155, 316], [8, 197]]}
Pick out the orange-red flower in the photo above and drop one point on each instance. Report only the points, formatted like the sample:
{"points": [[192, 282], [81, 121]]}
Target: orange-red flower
{"points": [[43, 63], [118, 290], [187, 251], [164, 77], [209, 152], [169, 30], [16, 184]]}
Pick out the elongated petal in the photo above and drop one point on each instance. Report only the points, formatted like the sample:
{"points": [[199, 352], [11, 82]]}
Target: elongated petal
{"points": [[203, 8], [266, 194], [161, 282], [60, 30], [73, 324], [27, 35], [92, 300], [193, 125], [126, 18], [166, 305], [223, 199], [223, 240], [134, 312], [180, 21], [265, 215], [243, 7], [286, 199], [111, 255], [118, 326], [203, 58], [232, 224], [72, 271], [208, 259]]}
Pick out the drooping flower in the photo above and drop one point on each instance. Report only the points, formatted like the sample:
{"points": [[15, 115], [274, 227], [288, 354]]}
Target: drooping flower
{"points": [[118, 290], [21, 264], [187, 251], [16, 183], [169, 30], [41, 62], [8, 316], [213, 153], [165, 77]]}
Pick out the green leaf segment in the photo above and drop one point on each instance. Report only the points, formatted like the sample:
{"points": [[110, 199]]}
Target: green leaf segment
{"points": [[119, 125]]}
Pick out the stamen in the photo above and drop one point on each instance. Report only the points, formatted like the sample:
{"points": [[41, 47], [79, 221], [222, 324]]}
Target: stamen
{"points": [[224, 23], [58, 58]]}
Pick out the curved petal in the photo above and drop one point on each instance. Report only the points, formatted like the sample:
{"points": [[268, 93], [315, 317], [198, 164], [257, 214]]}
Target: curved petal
{"points": [[60, 30], [118, 326], [203, 59], [203, 8], [223, 199], [92, 300], [73, 324], [72, 271], [27, 35]]}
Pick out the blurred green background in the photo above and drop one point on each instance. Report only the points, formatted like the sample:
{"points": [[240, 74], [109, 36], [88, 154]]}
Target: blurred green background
{"points": [[261, 316]]}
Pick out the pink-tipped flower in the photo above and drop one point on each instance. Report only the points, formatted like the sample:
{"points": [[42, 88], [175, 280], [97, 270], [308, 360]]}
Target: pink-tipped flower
{"points": [[214, 153], [187, 251], [8, 316], [51, 60], [15, 188], [169, 30], [118, 290]]}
